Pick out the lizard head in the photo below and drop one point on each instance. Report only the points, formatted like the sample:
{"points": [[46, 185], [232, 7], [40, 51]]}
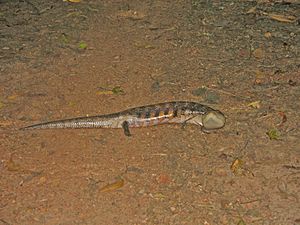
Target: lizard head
{"points": [[213, 120], [210, 120]]}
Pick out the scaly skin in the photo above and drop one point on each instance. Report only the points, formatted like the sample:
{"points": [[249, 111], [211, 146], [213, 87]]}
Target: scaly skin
{"points": [[149, 115]]}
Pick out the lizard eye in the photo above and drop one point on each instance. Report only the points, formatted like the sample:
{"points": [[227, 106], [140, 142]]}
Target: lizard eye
{"points": [[213, 120]]}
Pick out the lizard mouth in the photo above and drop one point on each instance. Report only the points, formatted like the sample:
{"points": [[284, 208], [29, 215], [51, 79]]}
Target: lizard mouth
{"points": [[213, 120]]}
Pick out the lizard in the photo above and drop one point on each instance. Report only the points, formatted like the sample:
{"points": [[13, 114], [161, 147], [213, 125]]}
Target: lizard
{"points": [[184, 112]]}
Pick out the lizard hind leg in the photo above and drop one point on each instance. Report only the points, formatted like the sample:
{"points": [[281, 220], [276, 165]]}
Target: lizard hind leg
{"points": [[125, 126]]}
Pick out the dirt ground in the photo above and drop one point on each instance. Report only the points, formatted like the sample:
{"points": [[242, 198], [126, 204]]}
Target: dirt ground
{"points": [[62, 59]]}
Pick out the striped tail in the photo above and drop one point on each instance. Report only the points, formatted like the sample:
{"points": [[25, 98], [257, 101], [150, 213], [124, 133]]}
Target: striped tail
{"points": [[80, 122]]}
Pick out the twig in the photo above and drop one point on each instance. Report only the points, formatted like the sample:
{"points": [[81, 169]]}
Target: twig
{"points": [[226, 92]]}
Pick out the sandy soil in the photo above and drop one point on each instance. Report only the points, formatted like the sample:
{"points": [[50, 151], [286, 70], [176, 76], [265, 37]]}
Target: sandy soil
{"points": [[65, 59]]}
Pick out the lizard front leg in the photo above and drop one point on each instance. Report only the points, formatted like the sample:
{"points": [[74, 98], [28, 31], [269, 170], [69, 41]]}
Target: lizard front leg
{"points": [[184, 123], [125, 126]]}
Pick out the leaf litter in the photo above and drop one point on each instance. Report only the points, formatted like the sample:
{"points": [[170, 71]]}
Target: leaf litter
{"points": [[113, 186], [273, 134], [273, 16], [113, 91], [255, 104]]}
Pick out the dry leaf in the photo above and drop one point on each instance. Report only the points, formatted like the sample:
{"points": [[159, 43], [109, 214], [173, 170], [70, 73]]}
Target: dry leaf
{"points": [[241, 222], [12, 97], [255, 104], [107, 92], [163, 179], [71, 104], [251, 10], [113, 186], [149, 47], [73, 1], [143, 45], [258, 53], [236, 165], [259, 74], [268, 34], [259, 77], [12, 166], [159, 196], [282, 18], [42, 180], [117, 90], [273, 134], [114, 91], [283, 118]]}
